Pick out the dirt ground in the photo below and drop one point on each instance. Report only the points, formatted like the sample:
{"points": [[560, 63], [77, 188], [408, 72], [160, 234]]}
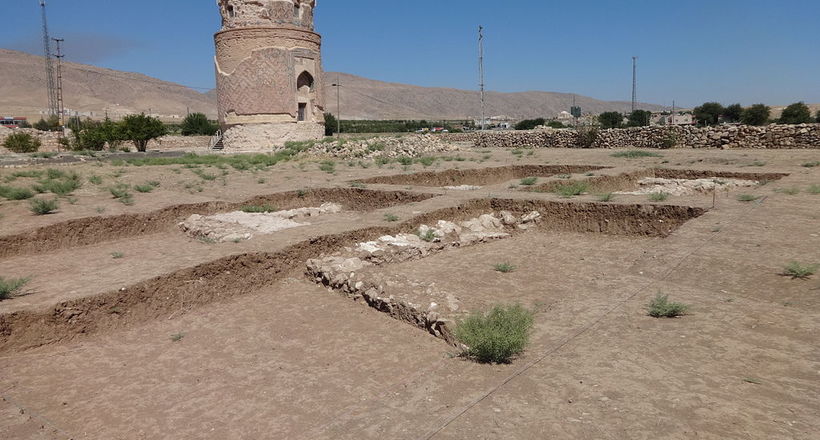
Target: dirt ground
{"points": [[179, 338]]}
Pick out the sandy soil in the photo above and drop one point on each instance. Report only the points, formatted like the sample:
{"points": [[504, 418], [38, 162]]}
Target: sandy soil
{"points": [[278, 356]]}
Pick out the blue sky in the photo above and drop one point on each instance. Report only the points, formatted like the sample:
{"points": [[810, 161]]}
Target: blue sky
{"points": [[745, 51]]}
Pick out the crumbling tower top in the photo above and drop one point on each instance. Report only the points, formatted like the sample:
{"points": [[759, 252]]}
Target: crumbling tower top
{"points": [[277, 13]]}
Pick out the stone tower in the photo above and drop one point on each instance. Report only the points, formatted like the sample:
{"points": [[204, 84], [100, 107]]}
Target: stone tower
{"points": [[268, 73]]}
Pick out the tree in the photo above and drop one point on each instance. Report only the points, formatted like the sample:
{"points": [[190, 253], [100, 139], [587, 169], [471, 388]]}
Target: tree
{"points": [[757, 114], [331, 124], [141, 129], [818, 117], [797, 113], [197, 124], [22, 143], [639, 118], [709, 113], [555, 124], [94, 136], [611, 119], [50, 124], [529, 124], [733, 113]]}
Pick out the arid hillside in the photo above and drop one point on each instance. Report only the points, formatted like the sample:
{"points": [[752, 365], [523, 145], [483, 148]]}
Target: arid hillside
{"points": [[94, 89]]}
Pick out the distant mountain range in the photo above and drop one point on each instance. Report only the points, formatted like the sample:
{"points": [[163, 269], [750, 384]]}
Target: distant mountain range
{"points": [[94, 90]]}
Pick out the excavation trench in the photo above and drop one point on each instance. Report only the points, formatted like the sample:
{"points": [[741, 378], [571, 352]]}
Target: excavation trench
{"points": [[357, 272], [630, 181], [481, 176], [92, 230], [174, 294]]}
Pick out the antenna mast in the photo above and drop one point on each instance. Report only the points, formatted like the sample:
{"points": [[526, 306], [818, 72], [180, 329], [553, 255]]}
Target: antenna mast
{"points": [[481, 75], [634, 84]]}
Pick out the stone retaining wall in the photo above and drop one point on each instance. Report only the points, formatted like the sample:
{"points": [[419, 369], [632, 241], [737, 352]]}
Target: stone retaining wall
{"points": [[50, 140], [729, 136]]}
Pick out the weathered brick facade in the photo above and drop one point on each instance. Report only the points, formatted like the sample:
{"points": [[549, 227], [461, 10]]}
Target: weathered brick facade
{"points": [[269, 73]]}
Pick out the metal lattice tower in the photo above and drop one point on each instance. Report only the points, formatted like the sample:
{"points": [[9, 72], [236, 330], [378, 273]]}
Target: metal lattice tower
{"points": [[60, 104], [51, 83], [481, 75], [634, 83]]}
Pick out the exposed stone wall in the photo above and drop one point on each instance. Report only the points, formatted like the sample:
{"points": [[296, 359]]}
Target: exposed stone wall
{"points": [[50, 140], [177, 143], [265, 137], [731, 136]]}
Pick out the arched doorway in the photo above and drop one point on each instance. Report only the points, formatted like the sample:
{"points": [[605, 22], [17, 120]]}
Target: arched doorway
{"points": [[304, 89]]}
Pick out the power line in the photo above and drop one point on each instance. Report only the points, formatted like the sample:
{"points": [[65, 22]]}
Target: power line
{"points": [[634, 84], [481, 76]]}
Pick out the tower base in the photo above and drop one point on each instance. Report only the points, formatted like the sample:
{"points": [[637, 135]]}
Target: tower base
{"points": [[267, 137]]}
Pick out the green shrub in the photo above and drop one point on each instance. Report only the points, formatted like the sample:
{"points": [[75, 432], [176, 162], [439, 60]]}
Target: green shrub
{"points": [[587, 136], [143, 188], [747, 198], [635, 154], [258, 209], [660, 307], [428, 236], [792, 191], [504, 268], [391, 218], [606, 197], [814, 189], [658, 197], [22, 143], [197, 124], [496, 336], [96, 180], [14, 193], [62, 187], [328, 166], [43, 206], [571, 189], [812, 164], [796, 270], [670, 140], [11, 287], [529, 181]]}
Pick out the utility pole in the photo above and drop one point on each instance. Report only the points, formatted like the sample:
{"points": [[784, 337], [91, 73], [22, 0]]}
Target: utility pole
{"points": [[634, 84], [481, 76], [673, 112], [338, 86], [50, 83], [60, 104]]}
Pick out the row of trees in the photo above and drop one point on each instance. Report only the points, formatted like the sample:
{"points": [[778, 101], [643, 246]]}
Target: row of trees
{"points": [[638, 118], [529, 124], [195, 124], [713, 113], [389, 126]]}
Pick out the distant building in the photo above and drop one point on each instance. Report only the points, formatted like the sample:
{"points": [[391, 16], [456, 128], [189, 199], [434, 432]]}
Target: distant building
{"points": [[667, 118]]}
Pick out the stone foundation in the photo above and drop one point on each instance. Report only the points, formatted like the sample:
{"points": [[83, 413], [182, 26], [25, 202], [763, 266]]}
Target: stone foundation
{"points": [[266, 137]]}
